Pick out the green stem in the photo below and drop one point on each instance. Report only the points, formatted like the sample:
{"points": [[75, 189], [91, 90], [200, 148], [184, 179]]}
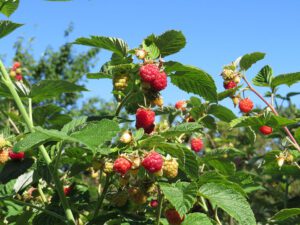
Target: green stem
{"points": [[51, 213], [102, 196], [159, 208], [42, 193], [6, 79], [123, 102], [217, 217], [204, 206]]}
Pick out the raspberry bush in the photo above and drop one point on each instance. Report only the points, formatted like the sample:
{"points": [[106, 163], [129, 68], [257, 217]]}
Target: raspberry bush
{"points": [[193, 163]]}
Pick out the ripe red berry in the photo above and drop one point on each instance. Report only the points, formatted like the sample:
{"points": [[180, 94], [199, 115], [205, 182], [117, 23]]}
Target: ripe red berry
{"points": [[246, 105], [266, 130], [229, 84], [154, 203], [173, 217], [196, 144], [149, 72], [144, 118], [19, 77], [181, 105], [153, 162], [67, 190], [122, 165], [16, 65], [160, 82], [16, 155]]}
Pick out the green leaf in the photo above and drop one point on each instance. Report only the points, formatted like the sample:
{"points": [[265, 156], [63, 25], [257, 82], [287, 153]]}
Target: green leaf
{"points": [[254, 121], [197, 219], [224, 167], [192, 80], [98, 76], [288, 79], [249, 59], [7, 7], [115, 45], [230, 201], [6, 27], [151, 142], [30, 141], [181, 195], [46, 89], [264, 77], [227, 93], [152, 50], [286, 213], [181, 129], [221, 112], [72, 125], [170, 42], [96, 134]]}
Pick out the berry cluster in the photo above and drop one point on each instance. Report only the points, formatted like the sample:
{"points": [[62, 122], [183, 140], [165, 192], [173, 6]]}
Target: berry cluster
{"points": [[231, 77], [16, 71]]}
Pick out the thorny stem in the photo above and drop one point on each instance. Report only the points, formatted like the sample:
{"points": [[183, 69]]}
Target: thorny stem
{"points": [[274, 111], [159, 208], [7, 81]]}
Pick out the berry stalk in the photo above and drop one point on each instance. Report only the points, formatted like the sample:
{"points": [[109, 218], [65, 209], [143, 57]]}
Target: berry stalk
{"points": [[159, 208], [7, 81], [296, 145]]}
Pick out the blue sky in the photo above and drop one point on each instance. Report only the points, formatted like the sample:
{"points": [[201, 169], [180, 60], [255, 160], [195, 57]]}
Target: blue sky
{"points": [[217, 32]]}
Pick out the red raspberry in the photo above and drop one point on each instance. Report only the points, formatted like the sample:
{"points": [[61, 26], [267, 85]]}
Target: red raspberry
{"points": [[246, 105], [122, 165], [196, 144], [16, 65], [16, 155], [149, 72], [173, 217], [160, 82], [181, 105], [266, 130], [144, 118], [67, 190], [153, 162], [229, 84], [154, 203], [19, 77]]}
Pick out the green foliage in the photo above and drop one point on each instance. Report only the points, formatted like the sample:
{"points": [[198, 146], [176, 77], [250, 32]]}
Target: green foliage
{"points": [[8, 7], [181, 195], [230, 201], [249, 59], [192, 80], [6, 27], [197, 219], [115, 45], [168, 43], [286, 213], [287, 79], [264, 77]]}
